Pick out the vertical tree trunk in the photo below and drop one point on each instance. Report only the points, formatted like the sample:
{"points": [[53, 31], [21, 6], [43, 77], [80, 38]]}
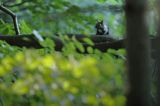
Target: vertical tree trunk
{"points": [[138, 54], [157, 59]]}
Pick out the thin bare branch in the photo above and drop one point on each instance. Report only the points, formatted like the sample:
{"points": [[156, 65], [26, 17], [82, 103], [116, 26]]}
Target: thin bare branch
{"points": [[14, 17]]}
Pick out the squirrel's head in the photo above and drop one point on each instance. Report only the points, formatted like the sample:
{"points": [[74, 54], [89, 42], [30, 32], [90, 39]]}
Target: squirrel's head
{"points": [[99, 24], [101, 28]]}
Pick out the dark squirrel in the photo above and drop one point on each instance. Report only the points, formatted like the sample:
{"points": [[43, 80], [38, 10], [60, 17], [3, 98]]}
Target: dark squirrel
{"points": [[101, 28]]}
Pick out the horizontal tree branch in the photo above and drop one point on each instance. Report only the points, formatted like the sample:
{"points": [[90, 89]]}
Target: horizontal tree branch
{"points": [[101, 42], [30, 41]]}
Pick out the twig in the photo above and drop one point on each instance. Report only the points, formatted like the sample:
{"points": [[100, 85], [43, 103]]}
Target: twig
{"points": [[14, 5], [14, 17]]}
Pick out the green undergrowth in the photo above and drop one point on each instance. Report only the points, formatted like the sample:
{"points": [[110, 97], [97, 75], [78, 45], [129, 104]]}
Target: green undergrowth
{"points": [[45, 77]]}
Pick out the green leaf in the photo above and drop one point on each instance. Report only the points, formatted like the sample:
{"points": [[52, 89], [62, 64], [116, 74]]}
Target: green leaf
{"points": [[90, 50], [101, 1], [88, 41], [25, 29], [79, 46]]}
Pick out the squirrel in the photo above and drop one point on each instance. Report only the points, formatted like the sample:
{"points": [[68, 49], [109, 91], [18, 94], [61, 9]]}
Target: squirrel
{"points": [[101, 28]]}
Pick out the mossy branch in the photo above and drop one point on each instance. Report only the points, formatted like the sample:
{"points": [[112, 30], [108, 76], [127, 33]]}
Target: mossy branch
{"points": [[14, 17]]}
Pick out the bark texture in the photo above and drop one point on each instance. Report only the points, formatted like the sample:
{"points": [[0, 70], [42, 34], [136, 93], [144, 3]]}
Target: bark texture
{"points": [[138, 50]]}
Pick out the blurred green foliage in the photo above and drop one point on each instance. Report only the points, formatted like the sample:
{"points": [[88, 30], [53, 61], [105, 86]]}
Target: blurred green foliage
{"points": [[38, 78], [45, 77], [67, 16], [72, 16]]}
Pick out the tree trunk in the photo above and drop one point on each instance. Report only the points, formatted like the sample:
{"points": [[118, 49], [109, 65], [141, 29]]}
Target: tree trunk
{"points": [[157, 59], [138, 52]]}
